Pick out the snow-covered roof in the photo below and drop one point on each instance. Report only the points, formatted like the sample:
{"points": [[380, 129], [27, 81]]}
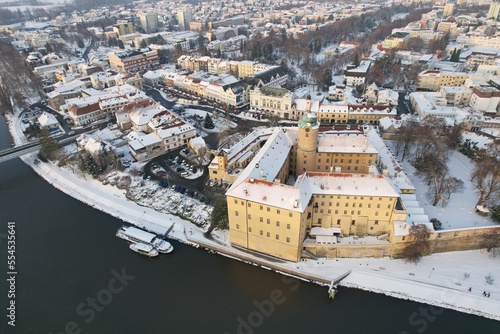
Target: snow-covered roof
{"points": [[142, 116], [46, 119], [345, 143], [197, 143]]}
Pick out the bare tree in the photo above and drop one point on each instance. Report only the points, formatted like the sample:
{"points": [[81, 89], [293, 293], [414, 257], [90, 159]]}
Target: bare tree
{"points": [[419, 244], [486, 176], [442, 186]]}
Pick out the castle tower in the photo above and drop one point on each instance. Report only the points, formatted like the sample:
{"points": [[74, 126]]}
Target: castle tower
{"points": [[307, 144], [222, 160]]}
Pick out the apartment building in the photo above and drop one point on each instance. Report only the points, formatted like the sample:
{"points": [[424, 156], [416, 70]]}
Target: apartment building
{"points": [[134, 61]]}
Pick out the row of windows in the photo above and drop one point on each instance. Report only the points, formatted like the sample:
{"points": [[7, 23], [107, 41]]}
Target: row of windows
{"points": [[261, 232], [359, 213], [261, 207], [359, 205]]}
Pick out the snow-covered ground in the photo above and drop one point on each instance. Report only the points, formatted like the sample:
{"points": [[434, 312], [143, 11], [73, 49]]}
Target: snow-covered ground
{"points": [[460, 210]]}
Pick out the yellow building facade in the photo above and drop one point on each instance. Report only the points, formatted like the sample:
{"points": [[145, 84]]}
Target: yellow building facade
{"points": [[300, 180]]}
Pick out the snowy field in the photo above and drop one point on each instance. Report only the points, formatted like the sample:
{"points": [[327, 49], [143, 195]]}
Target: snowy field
{"points": [[460, 210]]}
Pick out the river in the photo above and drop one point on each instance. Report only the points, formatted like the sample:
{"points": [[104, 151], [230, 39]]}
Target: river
{"points": [[75, 276]]}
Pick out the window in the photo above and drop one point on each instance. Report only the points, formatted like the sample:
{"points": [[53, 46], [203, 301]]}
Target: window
{"points": [[287, 239], [378, 206], [249, 204], [290, 214], [345, 212], [277, 211], [261, 232], [288, 226], [319, 220], [387, 214], [236, 213], [241, 202], [268, 234], [388, 206], [249, 229], [376, 213], [359, 212], [268, 209], [336, 212], [353, 222], [235, 201], [238, 226], [249, 216], [338, 221], [268, 221], [278, 224], [261, 219]]}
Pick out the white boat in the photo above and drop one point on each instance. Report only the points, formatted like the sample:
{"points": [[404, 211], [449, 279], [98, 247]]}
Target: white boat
{"points": [[136, 235], [144, 249]]}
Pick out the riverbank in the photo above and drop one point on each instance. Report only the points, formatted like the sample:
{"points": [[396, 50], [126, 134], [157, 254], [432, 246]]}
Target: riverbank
{"points": [[440, 279]]}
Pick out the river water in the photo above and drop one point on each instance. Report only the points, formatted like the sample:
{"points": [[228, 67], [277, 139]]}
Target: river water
{"points": [[75, 276]]}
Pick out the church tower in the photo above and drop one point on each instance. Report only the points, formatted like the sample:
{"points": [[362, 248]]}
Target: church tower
{"points": [[307, 144]]}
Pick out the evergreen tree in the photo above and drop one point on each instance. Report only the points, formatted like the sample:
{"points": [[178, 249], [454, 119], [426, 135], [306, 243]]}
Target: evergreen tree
{"points": [[120, 44], [144, 44], [327, 78], [48, 145], [218, 218], [208, 123]]}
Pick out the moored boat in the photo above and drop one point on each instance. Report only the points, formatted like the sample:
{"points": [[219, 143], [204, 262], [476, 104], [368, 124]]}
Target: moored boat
{"points": [[144, 249], [136, 235]]}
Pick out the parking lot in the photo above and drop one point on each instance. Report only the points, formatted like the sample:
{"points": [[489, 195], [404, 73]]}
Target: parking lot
{"points": [[183, 175]]}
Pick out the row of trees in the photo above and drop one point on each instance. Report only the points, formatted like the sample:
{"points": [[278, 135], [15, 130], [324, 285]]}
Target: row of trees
{"points": [[18, 85]]}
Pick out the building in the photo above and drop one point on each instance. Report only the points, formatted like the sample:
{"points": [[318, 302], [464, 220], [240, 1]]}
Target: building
{"points": [[357, 75], [123, 27], [494, 10], [184, 17], [271, 213], [272, 100], [48, 122], [434, 79], [156, 131], [485, 99], [134, 61], [448, 9], [395, 40], [149, 22]]}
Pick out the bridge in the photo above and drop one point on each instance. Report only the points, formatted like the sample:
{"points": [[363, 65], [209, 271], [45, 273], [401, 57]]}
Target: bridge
{"points": [[16, 152]]}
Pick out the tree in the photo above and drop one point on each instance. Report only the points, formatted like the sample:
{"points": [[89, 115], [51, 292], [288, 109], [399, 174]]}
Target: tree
{"points": [[208, 123], [495, 213], [120, 44], [87, 164], [443, 185], [48, 145], [327, 78], [143, 44], [219, 218], [486, 178], [436, 223], [455, 55], [419, 244]]}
